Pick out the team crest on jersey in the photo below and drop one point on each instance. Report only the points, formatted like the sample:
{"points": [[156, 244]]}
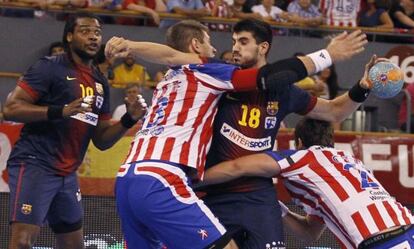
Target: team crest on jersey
{"points": [[99, 88], [272, 107], [99, 101], [270, 122], [26, 209]]}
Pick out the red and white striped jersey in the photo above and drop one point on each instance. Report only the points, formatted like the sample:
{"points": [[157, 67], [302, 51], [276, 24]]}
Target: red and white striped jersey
{"points": [[336, 187], [178, 125], [340, 12]]}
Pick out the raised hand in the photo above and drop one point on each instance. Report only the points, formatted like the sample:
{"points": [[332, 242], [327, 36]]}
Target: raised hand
{"points": [[117, 47], [345, 46], [365, 82], [136, 107]]}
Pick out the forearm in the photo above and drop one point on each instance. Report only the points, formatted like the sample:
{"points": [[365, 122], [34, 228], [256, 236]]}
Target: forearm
{"points": [[139, 8], [20, 111], [336, 110], [300, 226], [162, 54], [223, 172], [106, 137]]}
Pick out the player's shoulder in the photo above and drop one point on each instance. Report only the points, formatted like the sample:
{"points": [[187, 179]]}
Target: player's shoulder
{"points": [[281, 154]]}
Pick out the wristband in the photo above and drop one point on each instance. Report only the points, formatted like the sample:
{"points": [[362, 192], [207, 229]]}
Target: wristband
{"points": [[358, 94], [127, 121], [54, 112], [284, 209], [322, 59]]}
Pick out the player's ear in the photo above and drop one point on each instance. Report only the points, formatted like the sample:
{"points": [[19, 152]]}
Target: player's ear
{"points": [[69, 37], [195, 45], [263, 48]]}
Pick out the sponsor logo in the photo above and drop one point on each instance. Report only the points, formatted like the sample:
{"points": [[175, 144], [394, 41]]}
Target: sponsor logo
{"points": [[270, 122], [70, 78], [99, 101], [26, 209], [99, 88], [272, 107], [87, 117], [247, 143], [203, 234], [153, 131]]}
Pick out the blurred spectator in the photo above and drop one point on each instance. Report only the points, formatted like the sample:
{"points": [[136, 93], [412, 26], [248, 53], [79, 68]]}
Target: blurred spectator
{"points": [[269, 12], [56, 48], [227, 56], [104, 65], [218, 8], [376, 15], [131, 92], [43, 4], [105, 4], [402, 14], [129, 73], [329, 80], [305, 13], [192, 9], [148, 7], [238, 11], [340, 13], [402, 117]]}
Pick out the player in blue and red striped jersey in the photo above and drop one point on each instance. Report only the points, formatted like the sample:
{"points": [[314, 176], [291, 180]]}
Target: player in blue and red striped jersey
{"points": [[64, 102], [177, 133], [334, 188]]}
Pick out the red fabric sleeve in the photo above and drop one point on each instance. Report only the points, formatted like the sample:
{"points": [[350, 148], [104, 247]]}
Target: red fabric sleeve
{"points": [[27, 88], [245, 80]]}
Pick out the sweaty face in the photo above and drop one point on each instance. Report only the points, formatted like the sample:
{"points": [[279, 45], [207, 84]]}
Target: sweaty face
{"points": [[86, 38], [245, 49], [206, 49]]}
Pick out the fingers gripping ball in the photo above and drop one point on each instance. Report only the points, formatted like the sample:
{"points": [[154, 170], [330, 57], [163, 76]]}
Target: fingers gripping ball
{"points": [[386, 79]]}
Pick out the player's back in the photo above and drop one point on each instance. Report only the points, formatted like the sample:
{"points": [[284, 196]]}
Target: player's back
{"points": [[336, 187], [178, 125]]}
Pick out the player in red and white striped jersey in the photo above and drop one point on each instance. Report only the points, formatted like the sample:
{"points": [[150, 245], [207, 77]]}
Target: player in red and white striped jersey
{"points": [[332, 186], [340, 12]]}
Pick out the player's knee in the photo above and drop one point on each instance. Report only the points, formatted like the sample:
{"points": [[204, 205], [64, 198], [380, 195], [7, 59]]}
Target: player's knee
{"points": [[64, 227]]}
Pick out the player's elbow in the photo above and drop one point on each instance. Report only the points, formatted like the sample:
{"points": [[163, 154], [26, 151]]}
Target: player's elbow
{"points": [[9, 110]]}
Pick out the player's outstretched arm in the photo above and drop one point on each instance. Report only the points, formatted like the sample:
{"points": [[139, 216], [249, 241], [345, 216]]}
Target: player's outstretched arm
{"points": [[107, 134], [341, 107], [118, 47], [20, 107], [306, 228], [252, 165], [289, 71]]}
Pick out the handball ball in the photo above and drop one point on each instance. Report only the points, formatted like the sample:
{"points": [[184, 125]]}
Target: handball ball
{"points": [[387, 79]]}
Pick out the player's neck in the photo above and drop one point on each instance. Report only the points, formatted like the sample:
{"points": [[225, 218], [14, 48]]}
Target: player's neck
{"points": [[260, 63], [81, 61]]}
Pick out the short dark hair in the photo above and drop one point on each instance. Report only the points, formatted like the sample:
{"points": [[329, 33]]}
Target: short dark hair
{"points": [[314, 132], [53, 45], [261, 31], [71, 23], [179, 35]]}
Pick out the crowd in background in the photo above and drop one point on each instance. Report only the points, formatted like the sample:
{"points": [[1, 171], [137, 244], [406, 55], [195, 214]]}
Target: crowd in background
{"points": [[127, 74], [385, 14]]}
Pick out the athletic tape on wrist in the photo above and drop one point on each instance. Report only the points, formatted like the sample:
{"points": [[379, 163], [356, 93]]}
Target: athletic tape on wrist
{"points": [[358, 94], [127, 121]]}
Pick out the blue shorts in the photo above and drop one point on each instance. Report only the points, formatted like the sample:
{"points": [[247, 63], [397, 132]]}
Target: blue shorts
{"points": [[156, 203], [257, 212], [401, 238], [37, 196]]}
